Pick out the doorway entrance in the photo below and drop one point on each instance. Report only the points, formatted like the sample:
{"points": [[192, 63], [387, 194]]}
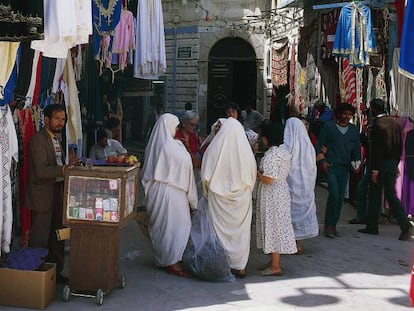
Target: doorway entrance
{"points": [[232, 76]]}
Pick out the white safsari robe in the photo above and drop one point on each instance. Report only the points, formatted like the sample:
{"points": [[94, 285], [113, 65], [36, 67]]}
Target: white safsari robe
{"points": [[170, 191], [228, 174], [301, 179]]}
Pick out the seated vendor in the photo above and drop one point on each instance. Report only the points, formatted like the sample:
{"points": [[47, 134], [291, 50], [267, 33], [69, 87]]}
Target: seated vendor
{"points": [[105, 147]]}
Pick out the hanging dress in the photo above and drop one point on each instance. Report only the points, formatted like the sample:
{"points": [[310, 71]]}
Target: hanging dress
{"points": [[8, 151]]}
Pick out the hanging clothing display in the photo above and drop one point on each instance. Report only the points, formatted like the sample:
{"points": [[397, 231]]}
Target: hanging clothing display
{"points": [[26, 22], [6, 95], [73, 124], [347, 82], [105, 17], [401, 91], [150, 59], [124, 40], [8, 54], [9, 151], [280, 60], [408, 185], [67, 23], [27, 130], [24, 70], [407, 42], [354, 37]]}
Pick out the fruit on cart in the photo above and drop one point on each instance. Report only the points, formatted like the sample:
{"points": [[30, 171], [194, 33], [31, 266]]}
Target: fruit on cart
{"points": [[122, 159], [111, 159], [131, 159]]}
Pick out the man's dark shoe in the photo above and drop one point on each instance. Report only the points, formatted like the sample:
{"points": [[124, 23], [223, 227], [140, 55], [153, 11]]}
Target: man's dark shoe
{"points": [[61, 279], [368, 231], [407, 235], [356, 221]]}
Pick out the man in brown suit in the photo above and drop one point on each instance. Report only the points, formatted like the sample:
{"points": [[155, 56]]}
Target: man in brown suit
{"points": [[44, 195]]}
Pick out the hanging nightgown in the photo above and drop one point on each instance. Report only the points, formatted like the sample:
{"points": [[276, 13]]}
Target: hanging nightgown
{"points": [[150, 59], [9, 151]]}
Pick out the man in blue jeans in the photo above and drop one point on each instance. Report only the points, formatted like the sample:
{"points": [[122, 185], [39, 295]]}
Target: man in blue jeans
{"points": [[386, 148], [340, 139]]}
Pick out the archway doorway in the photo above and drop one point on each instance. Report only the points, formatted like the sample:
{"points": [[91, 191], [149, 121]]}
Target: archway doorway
{"points": [[232, 76]]}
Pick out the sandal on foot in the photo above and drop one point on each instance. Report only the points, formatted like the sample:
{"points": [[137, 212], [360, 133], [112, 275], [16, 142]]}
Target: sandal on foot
{"points": [[299, 252], [270, 272], [238, 273], [181, 273], [264, 267]]}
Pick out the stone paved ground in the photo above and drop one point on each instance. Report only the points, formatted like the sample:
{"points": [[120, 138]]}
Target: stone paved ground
{"points": [[353, 272]]}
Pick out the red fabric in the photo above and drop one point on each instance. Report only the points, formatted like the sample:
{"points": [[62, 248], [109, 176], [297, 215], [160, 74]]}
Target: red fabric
{"points": [[193, 141], [27, 130], [400, 8], [350, 82]]}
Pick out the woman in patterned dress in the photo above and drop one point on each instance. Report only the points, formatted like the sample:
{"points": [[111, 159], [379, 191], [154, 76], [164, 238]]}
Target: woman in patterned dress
{"points": [[274, 224]]}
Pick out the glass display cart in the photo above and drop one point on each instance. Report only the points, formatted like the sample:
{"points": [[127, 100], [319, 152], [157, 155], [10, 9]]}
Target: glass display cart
{"points": [[99, 202]]}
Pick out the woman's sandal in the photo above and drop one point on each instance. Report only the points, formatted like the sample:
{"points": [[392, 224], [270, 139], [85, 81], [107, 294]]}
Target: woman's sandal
{"points": [[265, 266], [270, 272], [239, 273], [181, 273]]}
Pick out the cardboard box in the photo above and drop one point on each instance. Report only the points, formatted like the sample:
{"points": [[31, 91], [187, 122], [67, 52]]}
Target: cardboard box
{"points": [[30, 289]]}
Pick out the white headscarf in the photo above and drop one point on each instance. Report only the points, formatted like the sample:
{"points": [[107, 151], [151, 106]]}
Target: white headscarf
{"points": [[228, 164], [303, 163], [167, 160]]}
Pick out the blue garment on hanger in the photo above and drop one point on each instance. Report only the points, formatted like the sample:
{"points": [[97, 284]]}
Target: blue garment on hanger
{"points": [[354, 37], [407, 42], [104, 25]]}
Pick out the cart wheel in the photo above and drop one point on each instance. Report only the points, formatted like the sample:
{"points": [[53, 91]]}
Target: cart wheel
{"points": [[66, 293], [122, 281], [99, 297]]}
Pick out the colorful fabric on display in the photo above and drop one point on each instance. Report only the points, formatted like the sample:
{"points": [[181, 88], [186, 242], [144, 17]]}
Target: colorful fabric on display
{"points": [[6, 95], [354, 37], [24, 69], [105, 17], [27, 130], [8, 55], [359, 86], [349, 78], [8, 150], [407, 43], [280, 59], [401, 93], [124, 39], [408, 185]]}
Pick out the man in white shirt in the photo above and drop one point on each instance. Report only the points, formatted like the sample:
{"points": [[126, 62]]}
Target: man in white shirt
{"points": [[105, 147], [252, 119]]}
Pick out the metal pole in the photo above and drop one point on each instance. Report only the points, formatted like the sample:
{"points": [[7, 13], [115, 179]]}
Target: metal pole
{"points": [[174, 74]]}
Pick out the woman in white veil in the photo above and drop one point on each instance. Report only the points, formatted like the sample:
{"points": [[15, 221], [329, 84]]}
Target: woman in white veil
{"points": [[301, 180], [228, 175], [170, 192]]}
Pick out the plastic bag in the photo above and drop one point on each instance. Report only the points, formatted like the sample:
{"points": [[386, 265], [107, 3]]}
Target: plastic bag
{"points": [[204, 255]]}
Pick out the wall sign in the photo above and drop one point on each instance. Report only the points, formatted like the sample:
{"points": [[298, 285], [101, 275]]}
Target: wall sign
{"points": [[184, 52]]}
